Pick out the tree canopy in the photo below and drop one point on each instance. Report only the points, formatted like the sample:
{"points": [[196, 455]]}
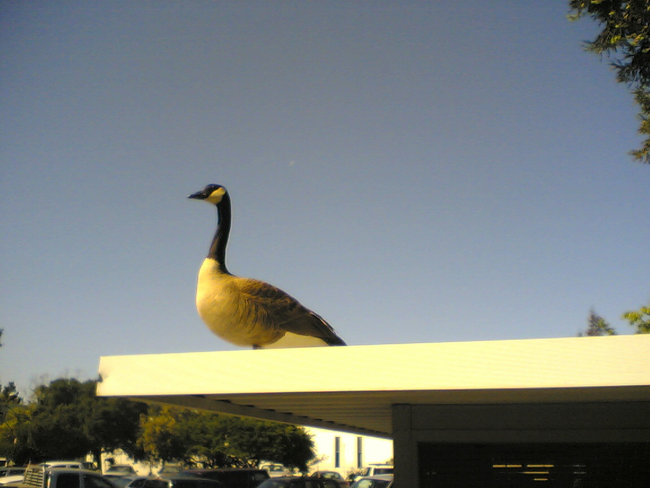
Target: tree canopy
{"points": [[66, 420], [639, 319], [625, 39], [213, 440], [598, 326]]}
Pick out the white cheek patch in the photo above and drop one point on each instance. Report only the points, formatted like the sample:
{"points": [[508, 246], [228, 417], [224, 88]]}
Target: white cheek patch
{"points": [[216, 196]]}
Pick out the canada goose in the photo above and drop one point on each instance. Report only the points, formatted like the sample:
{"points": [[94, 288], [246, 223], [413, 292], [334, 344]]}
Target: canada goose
{"points": [[249, 312]]}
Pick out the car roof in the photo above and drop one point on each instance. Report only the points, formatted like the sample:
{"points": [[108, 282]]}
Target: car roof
{"points": [[292, 478], [179, 476], [212, 470], [289, 479], [72, 470], [193, 479]]}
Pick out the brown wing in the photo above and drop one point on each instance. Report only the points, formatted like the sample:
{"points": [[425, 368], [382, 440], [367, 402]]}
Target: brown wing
{"points": [[317, 326], [279, 310]]}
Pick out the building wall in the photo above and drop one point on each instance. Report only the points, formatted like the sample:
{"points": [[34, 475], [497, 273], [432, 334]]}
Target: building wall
{"points": [[339, 451], [120, 457], [524, 429]]}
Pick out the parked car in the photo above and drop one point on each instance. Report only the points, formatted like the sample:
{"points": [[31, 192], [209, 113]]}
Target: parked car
{"points": [[63, 464], [120, 470], [11, 471], [374, 470], [332, 475], [132, 480], [379, 481], [168, 469], [41, 476], [299, 482], [275, 470], [11, 474], [232, 477], [11, 480], [17, 483], [181, 481]]}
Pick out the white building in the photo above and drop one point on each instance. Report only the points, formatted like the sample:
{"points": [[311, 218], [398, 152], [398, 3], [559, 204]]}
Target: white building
{"points": [[346, 453]]}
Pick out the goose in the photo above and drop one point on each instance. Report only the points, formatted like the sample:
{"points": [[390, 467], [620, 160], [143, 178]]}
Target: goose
{"points": [[245, 311]]}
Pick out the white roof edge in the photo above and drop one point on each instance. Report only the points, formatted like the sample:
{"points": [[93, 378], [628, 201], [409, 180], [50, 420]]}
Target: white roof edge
{"points": [[576, 362]]}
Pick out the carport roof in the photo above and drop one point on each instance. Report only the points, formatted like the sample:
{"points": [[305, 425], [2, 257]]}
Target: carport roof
{"points": [[353, 388]]}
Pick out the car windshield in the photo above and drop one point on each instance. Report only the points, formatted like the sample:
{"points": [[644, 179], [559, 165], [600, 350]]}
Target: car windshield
{"points": [[383, 471], [137, 483], [332, 475], [122, 481]]}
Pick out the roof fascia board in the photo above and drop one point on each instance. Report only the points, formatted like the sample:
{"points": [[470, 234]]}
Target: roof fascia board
{"points": [[582, 362]]}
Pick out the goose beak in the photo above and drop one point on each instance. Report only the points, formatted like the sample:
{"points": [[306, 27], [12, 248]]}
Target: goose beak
{"points": [[199, 195]]}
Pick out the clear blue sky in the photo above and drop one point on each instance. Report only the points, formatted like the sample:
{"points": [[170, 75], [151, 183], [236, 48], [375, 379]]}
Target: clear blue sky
{"points": [[412, 171]]}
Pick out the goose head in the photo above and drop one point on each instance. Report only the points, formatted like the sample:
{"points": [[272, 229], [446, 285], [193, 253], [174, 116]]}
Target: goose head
{"points": [[211, 193]]}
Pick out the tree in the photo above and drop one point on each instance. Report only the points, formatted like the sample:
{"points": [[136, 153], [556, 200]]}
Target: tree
{"points": [[15, 435], [68, 421], [256, 440], [209, 441], [625, 38], [9, 398], [598, 326], [111, 424], [639, 319], [161, 438], [213, 440]]}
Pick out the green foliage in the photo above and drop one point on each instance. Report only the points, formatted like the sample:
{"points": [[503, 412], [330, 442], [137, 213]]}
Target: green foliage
{"points": [[625, 38], [212, 440], [68, 421], [598, 326], [161, 439], [209, 440], [640, 319], [15, 435], [9, 398], [111, 424], [255, 440], [14, 416]]}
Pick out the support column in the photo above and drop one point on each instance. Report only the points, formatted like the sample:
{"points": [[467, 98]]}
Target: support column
{"points": [[405, 449]]}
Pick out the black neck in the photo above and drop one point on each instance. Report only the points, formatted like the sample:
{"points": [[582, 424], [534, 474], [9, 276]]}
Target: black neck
{"points": [[220, 241]]}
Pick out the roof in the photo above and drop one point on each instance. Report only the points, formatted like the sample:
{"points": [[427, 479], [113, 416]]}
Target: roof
{"points": [[353, 388]]}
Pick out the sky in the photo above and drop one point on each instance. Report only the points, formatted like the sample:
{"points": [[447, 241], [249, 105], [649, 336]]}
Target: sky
{"points": [[413, 171]]}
